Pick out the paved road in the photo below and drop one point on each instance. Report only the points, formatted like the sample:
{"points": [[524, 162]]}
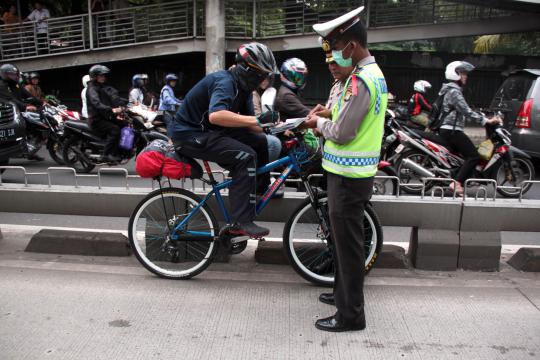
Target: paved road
{"points": [[72, 307]]}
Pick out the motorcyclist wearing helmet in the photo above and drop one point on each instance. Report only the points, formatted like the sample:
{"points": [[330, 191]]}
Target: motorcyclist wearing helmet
{"points": [[11, 90], [167, 101], [288, 102], [33, 86], [136, 94], [419, 108], [455, 111], [103, 104], [216, 122], [84, 110]]}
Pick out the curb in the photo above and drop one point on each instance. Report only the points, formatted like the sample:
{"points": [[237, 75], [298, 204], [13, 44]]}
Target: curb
{"points": [[85, 243], [271, 252], [526, 259]]}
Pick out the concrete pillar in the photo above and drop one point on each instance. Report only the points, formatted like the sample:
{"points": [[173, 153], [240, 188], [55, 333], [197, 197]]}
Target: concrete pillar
{"points": [[215, 35]]}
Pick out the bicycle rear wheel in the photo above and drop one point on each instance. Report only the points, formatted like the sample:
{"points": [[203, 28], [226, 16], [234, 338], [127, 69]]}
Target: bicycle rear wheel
{"points": [[309, 248], [159, 247]]}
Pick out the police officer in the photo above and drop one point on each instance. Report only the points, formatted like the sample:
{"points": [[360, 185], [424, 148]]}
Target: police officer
{"points": [[351, 154]]}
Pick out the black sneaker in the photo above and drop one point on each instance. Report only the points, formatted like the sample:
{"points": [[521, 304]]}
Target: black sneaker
{"points": [[248, 229]]}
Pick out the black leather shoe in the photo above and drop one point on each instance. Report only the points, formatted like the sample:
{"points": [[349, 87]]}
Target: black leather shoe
{"points": [[331, 324], [327, 298]]}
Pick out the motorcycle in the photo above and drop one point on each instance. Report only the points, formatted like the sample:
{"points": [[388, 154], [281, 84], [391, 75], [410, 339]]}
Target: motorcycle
{"points": [[151, 119], [83, 150], [44, 127], [426, 155]]}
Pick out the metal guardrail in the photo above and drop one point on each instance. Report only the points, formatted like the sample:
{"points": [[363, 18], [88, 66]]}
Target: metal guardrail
{"points": [[244, 19], [481, 192]]}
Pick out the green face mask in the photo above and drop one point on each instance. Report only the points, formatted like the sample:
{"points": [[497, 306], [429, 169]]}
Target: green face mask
{"points": [[338, 57]]}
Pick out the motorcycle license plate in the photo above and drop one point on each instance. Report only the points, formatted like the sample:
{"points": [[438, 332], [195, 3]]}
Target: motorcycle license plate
{"points": [[400, 148], [5, 134]]}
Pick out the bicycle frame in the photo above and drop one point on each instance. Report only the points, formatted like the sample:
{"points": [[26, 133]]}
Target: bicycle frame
{"points": [[291, 163]]}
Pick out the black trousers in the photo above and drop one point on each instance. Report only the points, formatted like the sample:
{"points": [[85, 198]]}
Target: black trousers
{"points": [[238, 151], [110, 131], [347, 199], [462, 144]]}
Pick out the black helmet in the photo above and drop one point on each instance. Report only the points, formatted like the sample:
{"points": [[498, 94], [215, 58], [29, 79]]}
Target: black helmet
{"points": [[257, 56], [98, 70], [255, 62], [9, 73], [33, 75]]}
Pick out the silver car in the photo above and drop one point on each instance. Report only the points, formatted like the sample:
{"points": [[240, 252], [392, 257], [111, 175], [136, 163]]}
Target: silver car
{"points": [[519, 99]]}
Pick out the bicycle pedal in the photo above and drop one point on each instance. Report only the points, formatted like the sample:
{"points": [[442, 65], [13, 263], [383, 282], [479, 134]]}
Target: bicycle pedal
{"points": [[238, 239]]}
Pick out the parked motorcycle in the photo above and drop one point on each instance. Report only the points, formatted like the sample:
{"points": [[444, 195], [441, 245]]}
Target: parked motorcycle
{"points": [[427, 155], [83, 150]]}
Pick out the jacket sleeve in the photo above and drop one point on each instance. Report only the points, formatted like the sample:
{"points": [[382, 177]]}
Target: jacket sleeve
{"points": [[92, 98], [423, 103], [292, 105], [169, 99], [458, 102], [7, 95]]}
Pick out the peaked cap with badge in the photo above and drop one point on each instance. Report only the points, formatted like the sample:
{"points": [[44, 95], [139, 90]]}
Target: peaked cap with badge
{"points": [[331, 31]]}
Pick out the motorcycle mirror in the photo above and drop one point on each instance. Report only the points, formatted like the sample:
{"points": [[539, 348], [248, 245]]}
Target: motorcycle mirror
{"points": [[268, 98]]}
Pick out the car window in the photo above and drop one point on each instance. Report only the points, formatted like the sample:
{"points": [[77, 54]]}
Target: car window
{"points": [[516, 88]]}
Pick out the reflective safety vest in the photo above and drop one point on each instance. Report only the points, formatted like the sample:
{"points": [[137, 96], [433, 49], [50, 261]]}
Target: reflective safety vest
{"points": [[359, 158]]}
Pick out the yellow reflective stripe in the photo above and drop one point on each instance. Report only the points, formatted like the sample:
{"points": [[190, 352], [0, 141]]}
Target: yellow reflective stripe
{"points": [[333, 151]]}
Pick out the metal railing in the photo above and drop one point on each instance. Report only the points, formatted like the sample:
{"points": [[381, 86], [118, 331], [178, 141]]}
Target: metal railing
{"points": [[476, 189], [383, 13], [245, 19]]}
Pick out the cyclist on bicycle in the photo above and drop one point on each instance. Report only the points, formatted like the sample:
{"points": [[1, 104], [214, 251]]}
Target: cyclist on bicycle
{"points": [[217, 123]]}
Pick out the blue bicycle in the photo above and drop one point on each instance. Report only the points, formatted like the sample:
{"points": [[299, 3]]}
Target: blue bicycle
{"points": [[175, 234]]}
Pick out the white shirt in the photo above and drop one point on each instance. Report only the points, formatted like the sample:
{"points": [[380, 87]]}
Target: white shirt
{"points": [[136, 96], [39, 16], [84, 110]]}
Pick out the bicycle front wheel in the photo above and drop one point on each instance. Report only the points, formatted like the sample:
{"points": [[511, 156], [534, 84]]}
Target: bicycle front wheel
{"points": [[165, 248], [309, 247]]}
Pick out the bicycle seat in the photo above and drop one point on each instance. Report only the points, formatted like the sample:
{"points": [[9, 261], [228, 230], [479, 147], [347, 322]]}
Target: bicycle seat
{"points": [[196, 168]]}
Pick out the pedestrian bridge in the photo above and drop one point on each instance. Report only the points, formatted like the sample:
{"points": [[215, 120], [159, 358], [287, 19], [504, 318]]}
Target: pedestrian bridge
{"points": [[180, 27]]}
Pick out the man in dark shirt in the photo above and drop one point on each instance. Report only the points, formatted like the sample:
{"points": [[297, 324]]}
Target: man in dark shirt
{"points": [[217, 123], [10, 90], [103, 104]]}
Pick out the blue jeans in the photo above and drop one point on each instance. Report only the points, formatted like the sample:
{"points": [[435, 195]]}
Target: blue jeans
{"points": [[274, 147]]}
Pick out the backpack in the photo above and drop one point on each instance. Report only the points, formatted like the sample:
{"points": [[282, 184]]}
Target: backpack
{"points": [[437, 115]]}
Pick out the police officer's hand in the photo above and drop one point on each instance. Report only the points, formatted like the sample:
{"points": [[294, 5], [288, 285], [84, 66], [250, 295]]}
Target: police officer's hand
{"points": [[268, 117], [117, 110], [310, 123], [316, 109]]}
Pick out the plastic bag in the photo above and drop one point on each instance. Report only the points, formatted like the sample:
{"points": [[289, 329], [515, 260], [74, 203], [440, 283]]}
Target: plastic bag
{"points": [[485, 149], [127, 138], [159, 159]]}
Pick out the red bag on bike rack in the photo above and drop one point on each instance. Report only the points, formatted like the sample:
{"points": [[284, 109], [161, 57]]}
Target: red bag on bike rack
{"points": [[159, 159]]}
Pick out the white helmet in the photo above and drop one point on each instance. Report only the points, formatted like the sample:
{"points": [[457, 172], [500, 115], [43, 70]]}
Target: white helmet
{"points": [[85, 80], [455, 67], [422, 86]]}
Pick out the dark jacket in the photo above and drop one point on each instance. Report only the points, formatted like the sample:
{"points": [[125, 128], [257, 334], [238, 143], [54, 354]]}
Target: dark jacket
{"points": [[14, 93], [101, 99], [289, 105], [456, 108]]}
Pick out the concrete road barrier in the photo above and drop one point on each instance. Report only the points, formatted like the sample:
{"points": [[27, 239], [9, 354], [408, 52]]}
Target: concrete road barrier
{"points": [[79, 243], [526, 259], [447, 232]]}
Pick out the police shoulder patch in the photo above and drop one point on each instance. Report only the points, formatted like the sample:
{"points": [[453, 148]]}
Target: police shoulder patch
{"points": [[348, 92]]}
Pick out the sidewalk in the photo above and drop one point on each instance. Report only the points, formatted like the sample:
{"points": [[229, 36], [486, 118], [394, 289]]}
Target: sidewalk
{"points": [[74, 307]]}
